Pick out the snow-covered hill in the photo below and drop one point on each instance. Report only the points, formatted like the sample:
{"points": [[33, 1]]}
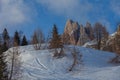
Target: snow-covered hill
{"points": [[41, 65]]}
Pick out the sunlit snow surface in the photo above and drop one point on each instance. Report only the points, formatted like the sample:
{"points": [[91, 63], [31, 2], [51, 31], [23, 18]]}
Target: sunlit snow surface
{"points": [[41, 65]]}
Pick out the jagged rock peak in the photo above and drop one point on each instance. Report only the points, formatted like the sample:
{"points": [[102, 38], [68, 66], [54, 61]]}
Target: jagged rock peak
{"points": [[88, 24], [71, 26], [69, 21], [75, 25], [72, 30], [68, 26]]}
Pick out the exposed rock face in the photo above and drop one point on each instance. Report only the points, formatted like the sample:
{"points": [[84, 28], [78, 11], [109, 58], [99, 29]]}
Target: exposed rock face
{"points": [[71, 32], [74, 33], [83, 38], [89, 31], [112, 44], [68, 27]]}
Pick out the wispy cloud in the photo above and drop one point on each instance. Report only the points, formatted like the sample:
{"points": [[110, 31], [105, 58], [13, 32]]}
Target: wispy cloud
{"points": [[60, 6], [68, 8], [13, 12]]}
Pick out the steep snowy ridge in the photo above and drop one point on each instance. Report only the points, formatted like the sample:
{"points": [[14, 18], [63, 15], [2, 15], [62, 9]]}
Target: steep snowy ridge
{"points": [[41, 65]]}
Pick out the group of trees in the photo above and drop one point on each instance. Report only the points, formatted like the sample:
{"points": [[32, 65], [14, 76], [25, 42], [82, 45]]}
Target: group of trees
{"points": [[16, 40], [6, 42], [97, 32], [100, 35], [104, 42], [37, 39], [54, 42], [6, 73], [3, 63]]}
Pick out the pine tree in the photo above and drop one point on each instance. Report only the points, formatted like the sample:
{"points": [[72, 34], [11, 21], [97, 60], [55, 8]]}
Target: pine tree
{"points": [[16, 39], [3, 63], [56, 41], [24, 41], [6, 37]]}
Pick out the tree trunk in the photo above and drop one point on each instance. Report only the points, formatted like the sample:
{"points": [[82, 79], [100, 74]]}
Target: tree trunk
{"points": [[11, 72]]}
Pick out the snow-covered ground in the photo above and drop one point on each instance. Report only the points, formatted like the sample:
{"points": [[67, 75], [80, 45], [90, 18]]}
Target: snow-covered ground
{"points": [[90, 43], [41, 65]]}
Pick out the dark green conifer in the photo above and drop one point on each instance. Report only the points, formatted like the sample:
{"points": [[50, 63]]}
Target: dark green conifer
{"points": [[6, 37], [16, 39], [3, 63], [24, 41]]}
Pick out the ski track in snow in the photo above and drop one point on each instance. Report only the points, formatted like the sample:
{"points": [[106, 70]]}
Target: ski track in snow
{"points": [[38, 62]]}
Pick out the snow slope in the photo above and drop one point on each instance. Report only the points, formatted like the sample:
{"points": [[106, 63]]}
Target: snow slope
{"points": [[40, 65], [90, 43]]}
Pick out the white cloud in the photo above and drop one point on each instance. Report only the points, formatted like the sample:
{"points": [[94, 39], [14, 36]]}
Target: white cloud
{"points": [[69, 8], [12, 12], [60, 6]]}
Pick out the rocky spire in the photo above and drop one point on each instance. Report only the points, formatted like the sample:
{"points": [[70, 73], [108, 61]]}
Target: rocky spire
{"points": [[74, 33], [83, 36], [89, 31], [68, 27], [71, 30]]}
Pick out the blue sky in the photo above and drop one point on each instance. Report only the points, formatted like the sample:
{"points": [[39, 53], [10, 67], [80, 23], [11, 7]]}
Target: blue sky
{"points": [[28, 15]]}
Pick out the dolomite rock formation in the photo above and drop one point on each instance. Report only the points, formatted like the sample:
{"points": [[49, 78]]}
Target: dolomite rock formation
{"points": [[74, 33]]}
